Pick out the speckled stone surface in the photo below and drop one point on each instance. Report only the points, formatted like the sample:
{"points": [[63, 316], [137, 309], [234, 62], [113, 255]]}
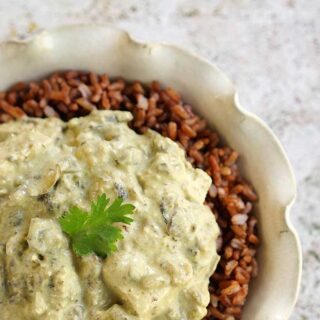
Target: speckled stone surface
{"points": [[271, 51]]}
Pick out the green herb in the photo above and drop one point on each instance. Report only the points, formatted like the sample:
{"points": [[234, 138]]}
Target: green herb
{"points": [[93, 231]]}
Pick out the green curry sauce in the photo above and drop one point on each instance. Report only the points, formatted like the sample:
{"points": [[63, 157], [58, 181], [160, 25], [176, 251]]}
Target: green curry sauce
{"points": [[162, 266]]}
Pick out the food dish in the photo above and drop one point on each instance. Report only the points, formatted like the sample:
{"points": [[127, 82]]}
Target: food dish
{"points": [[159, 270], [71, 94], [220, 86]]}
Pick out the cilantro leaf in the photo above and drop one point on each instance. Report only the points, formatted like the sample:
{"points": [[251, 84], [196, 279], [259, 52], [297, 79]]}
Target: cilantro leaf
{"points": [[93, 231]]}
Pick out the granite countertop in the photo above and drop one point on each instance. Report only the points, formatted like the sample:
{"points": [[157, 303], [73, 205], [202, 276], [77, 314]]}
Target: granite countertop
{"points": [[271, 51]]}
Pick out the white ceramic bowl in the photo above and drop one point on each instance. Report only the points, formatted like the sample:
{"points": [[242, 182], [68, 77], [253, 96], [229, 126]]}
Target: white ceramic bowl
{"points": [[263, 161]]}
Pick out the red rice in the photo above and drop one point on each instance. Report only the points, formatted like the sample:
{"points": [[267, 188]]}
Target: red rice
{"points": [[73, 93]]}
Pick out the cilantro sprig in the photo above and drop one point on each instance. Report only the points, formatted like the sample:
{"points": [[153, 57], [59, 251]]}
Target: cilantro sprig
{"points": [[94, 232]]}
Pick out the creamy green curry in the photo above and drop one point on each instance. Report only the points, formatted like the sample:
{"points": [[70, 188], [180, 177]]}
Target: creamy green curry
{"points": [[162, 266]]}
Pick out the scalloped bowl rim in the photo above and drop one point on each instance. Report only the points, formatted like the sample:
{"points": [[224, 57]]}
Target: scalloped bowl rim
{"points": [[7, 49]]}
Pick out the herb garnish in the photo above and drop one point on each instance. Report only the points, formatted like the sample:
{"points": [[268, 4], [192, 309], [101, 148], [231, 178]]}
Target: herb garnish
{"points": [[93, 231]]}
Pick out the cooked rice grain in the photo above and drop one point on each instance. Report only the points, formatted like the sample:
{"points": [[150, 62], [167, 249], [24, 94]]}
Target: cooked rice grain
{"points": [[73, 94]]}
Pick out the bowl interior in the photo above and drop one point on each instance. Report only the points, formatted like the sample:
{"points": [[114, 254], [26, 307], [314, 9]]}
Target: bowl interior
{"points": [[104, 49]]}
